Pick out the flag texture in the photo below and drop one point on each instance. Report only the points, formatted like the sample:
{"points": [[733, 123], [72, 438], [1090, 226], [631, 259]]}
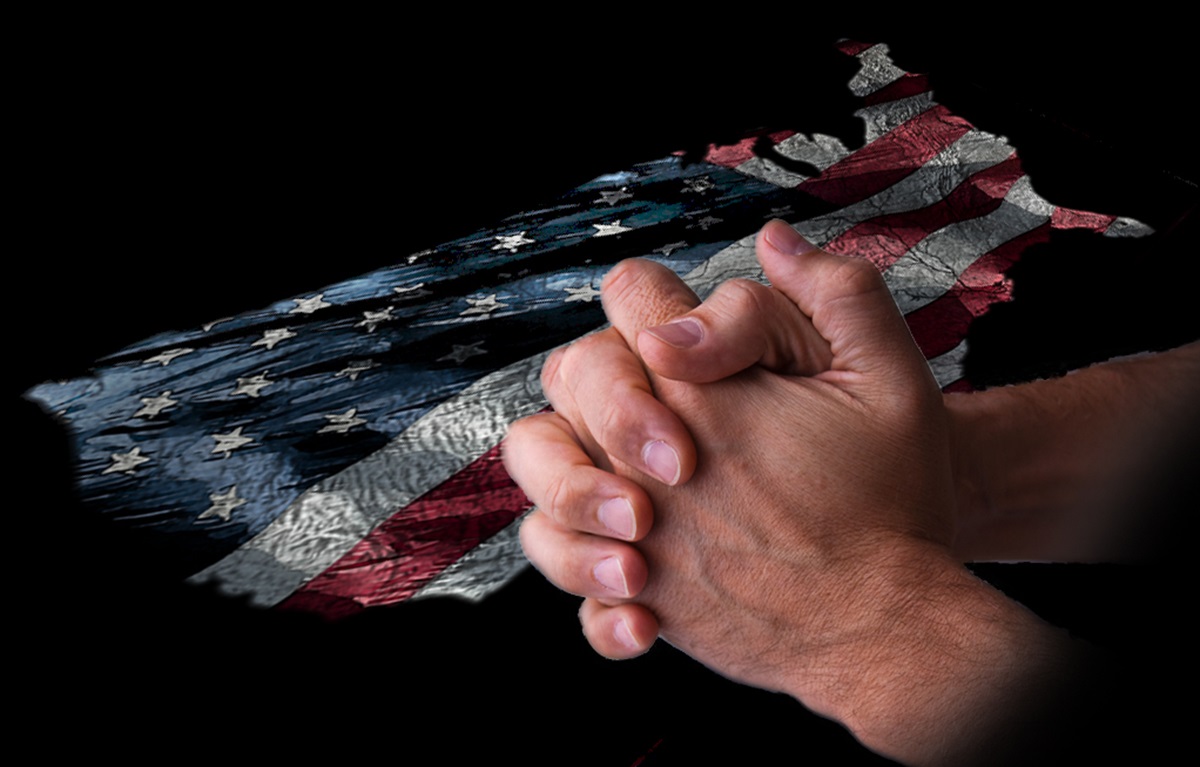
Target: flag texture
{"points": [[339, 449]]}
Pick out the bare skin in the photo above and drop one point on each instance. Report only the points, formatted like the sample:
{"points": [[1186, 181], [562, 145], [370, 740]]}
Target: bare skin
{"points": [[795, 519], [1050, 470]]}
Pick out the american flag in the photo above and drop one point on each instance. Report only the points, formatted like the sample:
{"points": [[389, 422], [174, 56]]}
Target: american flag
{"points": [[339, 449]]}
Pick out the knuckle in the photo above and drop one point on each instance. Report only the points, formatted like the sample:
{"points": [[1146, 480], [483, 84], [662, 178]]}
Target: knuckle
{"points": [[560, 498], [531, 527], [615, 423], [858, 275], [520, 433], [622, 279], [515, 438], [550, 368], [747, 296], [517, 429], [570, 364]]}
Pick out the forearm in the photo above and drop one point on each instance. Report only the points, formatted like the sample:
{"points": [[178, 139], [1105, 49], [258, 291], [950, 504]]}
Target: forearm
{"points": [[1045, 469], [953, 672]]}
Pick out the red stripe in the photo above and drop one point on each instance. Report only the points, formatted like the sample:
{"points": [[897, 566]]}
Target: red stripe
{"points": [[1069, 218], [853, 47], [961, 385], [885, 239], [418, 542], [733, 155], [941, 325], [903, 87], [888, 159]]}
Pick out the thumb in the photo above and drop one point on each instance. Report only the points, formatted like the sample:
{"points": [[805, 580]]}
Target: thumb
{"points": [[849, 304], [742, 323]]}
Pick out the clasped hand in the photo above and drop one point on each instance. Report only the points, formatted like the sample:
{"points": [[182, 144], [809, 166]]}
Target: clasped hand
{"points": [[762, 479]]}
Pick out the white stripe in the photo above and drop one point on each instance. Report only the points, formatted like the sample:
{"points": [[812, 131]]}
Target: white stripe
{"points": [[948, 368], [933, 265], [973, 152], [886, 116], [876, 72], [332, 516], [482, 570], [1124, 226], [820, 151]]}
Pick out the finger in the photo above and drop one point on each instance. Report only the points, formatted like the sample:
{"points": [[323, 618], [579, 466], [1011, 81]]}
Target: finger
{"points": [[582, 564], [542, 455], [562, 402], [620, 631], [638, 294], [848, 301], [600, 386], [742, 323]]}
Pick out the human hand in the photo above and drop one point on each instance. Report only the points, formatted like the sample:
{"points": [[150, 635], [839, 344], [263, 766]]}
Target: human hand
{"points": [[809, 551]]}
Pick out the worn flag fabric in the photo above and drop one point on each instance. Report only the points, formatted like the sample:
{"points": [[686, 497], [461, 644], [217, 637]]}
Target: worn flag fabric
{"points": [[339, 449]]}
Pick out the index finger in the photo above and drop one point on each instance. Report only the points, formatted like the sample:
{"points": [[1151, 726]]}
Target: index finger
{"points": [[639, 294]]}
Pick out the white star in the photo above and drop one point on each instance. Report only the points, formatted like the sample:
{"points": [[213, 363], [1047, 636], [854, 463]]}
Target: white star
{"points": [[309, 305], [209, 325], [166, 357], [251, 386], [781, 211], [462, 353], [419, 254], [482, 306], [152, 406], [698, 185], [585, 293], [511, 242], [341, 423], [227, 443], [222, 505], [612, 198], [371, 320], [707, 221], [126, 462], [274, 336], [414, 292], [354, 368], [605, 230], [670, 248]]}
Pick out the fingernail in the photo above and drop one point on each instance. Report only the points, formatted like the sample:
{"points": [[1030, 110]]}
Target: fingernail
{"points": [[617, 515], [608, 573], [786, 240], [624, 635], [680, 334], [662, 461]]}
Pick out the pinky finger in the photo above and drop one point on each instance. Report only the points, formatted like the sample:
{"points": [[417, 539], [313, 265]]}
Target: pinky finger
{"points": [[620, 631]]}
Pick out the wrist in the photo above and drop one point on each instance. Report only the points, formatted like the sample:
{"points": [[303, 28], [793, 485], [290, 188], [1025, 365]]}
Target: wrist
{"points": [[940, 665]]}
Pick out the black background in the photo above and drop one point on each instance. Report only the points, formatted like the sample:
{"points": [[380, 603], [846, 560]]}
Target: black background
{"points": [[185, 169]]}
